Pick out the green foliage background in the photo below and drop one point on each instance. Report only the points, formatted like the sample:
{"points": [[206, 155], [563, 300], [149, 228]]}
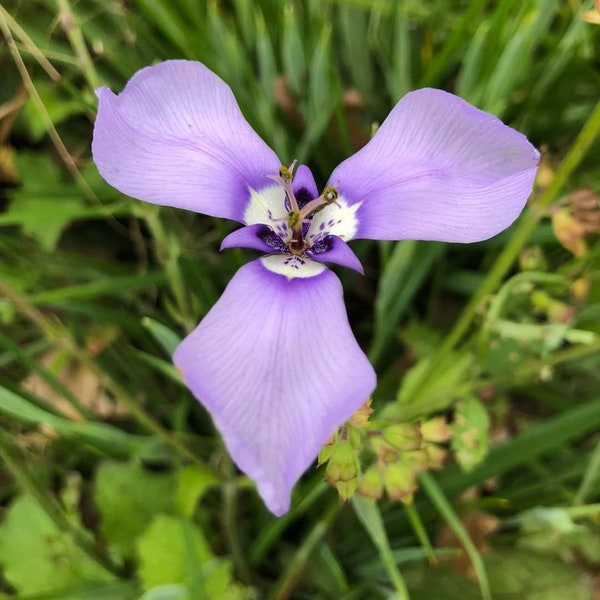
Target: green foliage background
{"points": [[114, 485]]}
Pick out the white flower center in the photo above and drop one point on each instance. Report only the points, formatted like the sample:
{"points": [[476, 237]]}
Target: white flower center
{"points": [[302, 226], [292, 266]]}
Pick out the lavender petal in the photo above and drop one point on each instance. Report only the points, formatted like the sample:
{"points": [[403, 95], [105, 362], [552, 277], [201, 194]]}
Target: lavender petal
{"points": [[438, 169], [337, 252], [277, 366], [175, 136]]}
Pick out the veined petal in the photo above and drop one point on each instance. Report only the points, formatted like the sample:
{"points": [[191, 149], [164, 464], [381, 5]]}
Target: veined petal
{"points": [[175, 136], [304, 180], [438, 169], [277, 366], [256, 237], [338, 253]]}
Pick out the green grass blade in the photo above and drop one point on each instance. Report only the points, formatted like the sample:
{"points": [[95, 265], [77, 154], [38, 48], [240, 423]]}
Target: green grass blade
{"points": [[437, 497], [369, 515]]}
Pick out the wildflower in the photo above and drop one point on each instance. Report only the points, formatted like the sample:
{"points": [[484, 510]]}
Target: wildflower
{"points": [[275, 361]]}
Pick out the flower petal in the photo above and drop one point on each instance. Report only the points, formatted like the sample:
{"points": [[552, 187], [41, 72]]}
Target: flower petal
{"points": [[304, 180], [438, 169], [276, 365], [175, 136], [338, 253], [253, 237]]}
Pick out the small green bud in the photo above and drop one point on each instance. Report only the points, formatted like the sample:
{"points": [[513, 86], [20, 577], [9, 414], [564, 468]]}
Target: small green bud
{"points": [[436, 430], [371, 483], [403, 437], [343, 464], [355, 437], [436, 456], [346, 489], [399, 481], [417, 460], [385, 451], [325, 454], [361, 417]]}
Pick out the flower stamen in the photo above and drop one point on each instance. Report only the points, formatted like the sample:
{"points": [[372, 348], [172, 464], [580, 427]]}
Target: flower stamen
{"points": [[329, 196]]}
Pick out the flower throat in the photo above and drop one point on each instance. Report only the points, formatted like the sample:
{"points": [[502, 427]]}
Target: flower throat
{"points": [[301, 210]]}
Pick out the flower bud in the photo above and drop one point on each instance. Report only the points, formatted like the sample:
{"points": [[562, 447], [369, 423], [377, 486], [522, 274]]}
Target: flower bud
{"points": [[532, 259], [343, 464], [399, 481], [436, 456], [346, 489], [580, 289], [569, 232], [384, 451], [371, 483], [361, 417], [417, 460], [436, 430], [325, 454], [403, 437]]}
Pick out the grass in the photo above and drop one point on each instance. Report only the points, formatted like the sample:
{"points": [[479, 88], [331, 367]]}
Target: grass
{"points": [[96, 289]]}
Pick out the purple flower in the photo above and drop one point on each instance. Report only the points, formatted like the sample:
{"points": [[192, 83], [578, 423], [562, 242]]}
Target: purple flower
{"points": [[275, 361]]}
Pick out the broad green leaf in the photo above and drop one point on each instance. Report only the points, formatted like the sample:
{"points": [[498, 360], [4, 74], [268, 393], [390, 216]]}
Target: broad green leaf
{"points": [[127, 497], [44, 205], [58, 108], [173, 550], [167, 548], [193, 481], [37, 557]]}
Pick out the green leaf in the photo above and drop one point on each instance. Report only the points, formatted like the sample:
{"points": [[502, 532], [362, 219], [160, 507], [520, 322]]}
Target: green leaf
{"points": [[167, 548], [174, 550], [44, 205], [127, 497], [369, 515], [37, 557], [58, 107], [416, 397], [470, 439], [167, 592], [440, 501], [193, 482], [167, 338], [513, 574]]}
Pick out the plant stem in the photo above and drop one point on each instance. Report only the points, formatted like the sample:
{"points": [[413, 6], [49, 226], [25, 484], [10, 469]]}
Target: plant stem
{"points": [[230, 491], [77, 41]]}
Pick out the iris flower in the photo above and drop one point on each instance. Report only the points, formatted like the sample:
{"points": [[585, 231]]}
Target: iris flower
{"points": [[275, 361]]}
